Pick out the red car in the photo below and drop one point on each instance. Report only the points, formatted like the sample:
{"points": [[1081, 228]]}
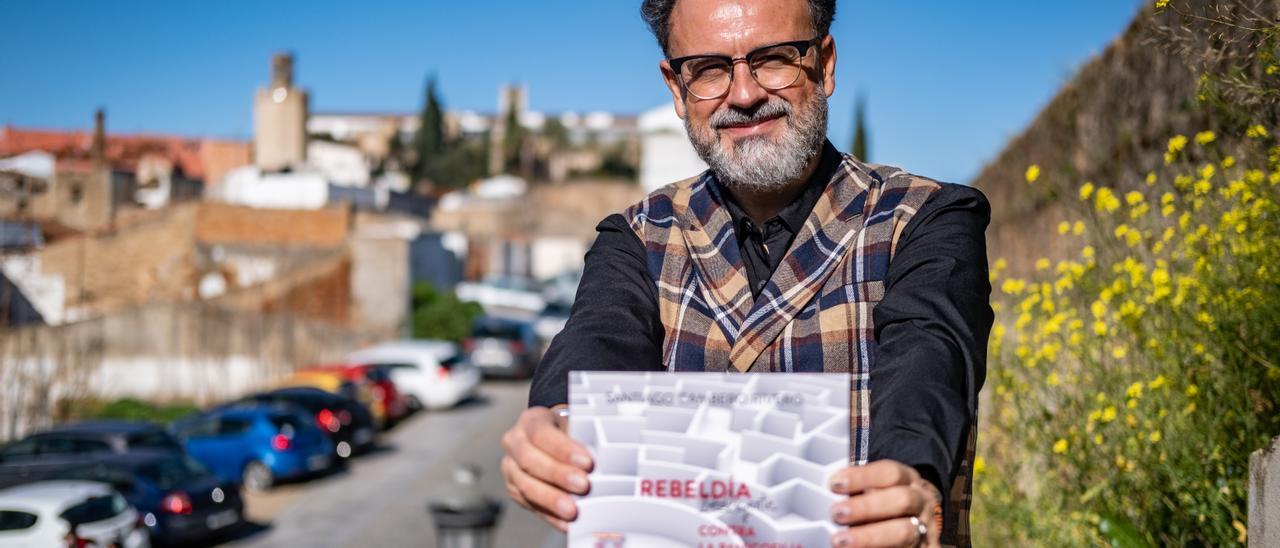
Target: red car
{"points": [[387, 400]]}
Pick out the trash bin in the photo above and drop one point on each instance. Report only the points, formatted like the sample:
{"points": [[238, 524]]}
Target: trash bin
{"points": [[464, 516]]}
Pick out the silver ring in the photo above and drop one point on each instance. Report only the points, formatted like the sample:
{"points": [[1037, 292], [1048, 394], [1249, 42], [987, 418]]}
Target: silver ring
{"points": [[921, 530]]}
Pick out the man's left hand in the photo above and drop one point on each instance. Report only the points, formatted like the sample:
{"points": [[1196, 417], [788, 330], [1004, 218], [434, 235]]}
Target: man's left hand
{"points": [[883, 497]]}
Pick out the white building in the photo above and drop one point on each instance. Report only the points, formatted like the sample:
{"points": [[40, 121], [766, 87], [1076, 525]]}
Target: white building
{"points": [[666, 156]]}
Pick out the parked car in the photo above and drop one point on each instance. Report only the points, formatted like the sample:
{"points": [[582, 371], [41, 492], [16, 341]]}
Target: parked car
{"points": [[431, 374], [503, 347], [387, 399], [91, 437], [503, 293], [179, 500], [56, 513], [550, 322], [257, 446], [348, 423]]}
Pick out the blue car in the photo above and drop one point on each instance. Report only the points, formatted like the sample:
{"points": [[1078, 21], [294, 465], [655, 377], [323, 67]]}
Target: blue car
{"points": [[177, 499], [257, 446]]}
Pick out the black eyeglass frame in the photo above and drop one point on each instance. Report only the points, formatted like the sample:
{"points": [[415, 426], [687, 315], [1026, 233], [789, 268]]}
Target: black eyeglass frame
{"points": [[802, 46]]}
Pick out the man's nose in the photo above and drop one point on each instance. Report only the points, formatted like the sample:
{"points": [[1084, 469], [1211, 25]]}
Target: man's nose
{"points": [[744, 91]]}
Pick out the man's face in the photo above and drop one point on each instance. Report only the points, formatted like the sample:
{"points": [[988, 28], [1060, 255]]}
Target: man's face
{"points": [[753, 138]]}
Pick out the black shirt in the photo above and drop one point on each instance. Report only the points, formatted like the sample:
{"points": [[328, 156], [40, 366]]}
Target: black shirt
{"points": [[762, 250], [931, 326]]}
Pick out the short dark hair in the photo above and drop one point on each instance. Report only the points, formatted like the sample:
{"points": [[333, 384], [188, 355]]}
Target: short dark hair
{"points": [[657, 14]]}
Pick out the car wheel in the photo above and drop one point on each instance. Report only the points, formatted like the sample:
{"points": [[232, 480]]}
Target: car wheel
{"points": [[414, 403], [257, 477]]}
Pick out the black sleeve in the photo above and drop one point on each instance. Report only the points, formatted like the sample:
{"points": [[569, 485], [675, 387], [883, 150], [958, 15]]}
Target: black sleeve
{"points": [[614, 323], [932, 328]]}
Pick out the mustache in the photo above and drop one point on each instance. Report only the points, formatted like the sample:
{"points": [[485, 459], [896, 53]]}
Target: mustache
{"points": [[737, 117]]}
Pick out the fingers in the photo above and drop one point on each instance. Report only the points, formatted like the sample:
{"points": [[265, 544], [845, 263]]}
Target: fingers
{"points": [[876, 475], [539, 427], [538, 496], [543, 466], [882, 504], [895, 532]]}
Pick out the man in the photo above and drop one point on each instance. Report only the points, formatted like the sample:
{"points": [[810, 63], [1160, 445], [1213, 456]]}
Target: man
{"points": [[784, 256]]}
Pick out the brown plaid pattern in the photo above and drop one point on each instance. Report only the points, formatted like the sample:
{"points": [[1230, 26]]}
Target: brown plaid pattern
{"points": [[814, 314]]}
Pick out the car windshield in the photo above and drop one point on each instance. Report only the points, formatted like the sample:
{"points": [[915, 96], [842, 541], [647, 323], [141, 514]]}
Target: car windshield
{"points": [[170, 473], [494, 330], [153, 440], [95, 509]]}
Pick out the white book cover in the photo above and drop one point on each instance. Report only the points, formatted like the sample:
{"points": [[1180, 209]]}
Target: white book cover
{"points": [[708, 460]]}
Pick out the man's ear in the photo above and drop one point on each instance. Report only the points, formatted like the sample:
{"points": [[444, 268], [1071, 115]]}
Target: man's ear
{"points": [[673, 85], [828, 49]]}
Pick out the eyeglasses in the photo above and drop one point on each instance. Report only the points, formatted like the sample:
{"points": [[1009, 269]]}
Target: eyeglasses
{"points": [[774, 67]]}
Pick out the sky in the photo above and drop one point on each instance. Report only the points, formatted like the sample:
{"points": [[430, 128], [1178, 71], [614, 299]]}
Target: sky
{"points": [[946, 83]]}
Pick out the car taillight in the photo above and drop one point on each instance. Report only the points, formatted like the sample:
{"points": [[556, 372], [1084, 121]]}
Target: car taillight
{"points": [[327, 420], [517, 347], [279, 442], [344, 416], [442, 371], [176, 503]]}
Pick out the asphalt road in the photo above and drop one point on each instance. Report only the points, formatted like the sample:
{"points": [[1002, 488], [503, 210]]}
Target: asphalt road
{"points": [[381, 498]]}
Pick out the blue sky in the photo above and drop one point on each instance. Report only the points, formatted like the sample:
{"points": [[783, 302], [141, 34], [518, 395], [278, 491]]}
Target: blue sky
{"points": [[947, 83]]}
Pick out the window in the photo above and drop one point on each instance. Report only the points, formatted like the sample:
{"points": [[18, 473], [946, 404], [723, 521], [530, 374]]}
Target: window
{"points": [[14, 520], [17, 450], [153, 440], [233, 426], [169, 473], [95, 509]]}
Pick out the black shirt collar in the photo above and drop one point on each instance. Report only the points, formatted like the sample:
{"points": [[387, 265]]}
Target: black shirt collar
{"points": [[794, 214]]}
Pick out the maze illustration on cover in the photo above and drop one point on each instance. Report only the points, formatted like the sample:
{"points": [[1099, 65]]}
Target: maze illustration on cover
{"points": [[710, 460]]}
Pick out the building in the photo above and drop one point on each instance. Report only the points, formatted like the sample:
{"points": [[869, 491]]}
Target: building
{"points": [[280, 119], [666, 155]]}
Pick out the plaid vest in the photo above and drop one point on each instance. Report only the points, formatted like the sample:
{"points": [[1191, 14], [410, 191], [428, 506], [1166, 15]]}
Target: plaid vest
{"points": [[814, 314]]}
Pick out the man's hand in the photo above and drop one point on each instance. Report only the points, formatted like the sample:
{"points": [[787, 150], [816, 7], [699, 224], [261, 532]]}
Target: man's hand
{"points": [[883, 497], [543, 466]]}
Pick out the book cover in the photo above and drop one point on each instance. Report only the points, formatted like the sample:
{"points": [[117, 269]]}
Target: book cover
{"points": [[708, 460]]}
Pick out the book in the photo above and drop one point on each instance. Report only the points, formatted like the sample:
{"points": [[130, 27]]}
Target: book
{"points": [[709, 460]]}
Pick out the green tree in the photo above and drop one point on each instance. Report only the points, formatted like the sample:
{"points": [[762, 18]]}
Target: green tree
{"points": [[440, 315], [861, 142], [512, 140], [429, 143]]}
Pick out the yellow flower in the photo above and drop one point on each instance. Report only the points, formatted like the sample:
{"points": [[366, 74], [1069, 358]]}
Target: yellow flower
{"points": [[1151, 178], [1256, 131], [1033, 173], [1099, 328], [1207, 171], [1087, 252], [1086, 190], [1060, 446], [1204, 137], [1119, 352], [979, 465], [1192, 390], [1177, 143], [1077, 228], [1064, 227], [1097, 439], [1161, 3], [1133, 197], [1109, 414], [1052, 380], [1106, 201], [1242, 532], [1042, 263], [1134, 390], [1228, 161], [1001, 264], [1154, 437]]}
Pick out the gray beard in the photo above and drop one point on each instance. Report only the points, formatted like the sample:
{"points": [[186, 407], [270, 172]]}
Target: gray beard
{"points": [[759, 164]]}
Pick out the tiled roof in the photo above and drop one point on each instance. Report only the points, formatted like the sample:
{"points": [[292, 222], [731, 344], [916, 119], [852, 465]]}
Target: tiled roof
{"points": [[124, 152]]}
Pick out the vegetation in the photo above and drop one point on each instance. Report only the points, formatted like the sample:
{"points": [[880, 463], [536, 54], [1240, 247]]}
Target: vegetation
{"points": [[439, 159], [1129, 383], [440, 315]]}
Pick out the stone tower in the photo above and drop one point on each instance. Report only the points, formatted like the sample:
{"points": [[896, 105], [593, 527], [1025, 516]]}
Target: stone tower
{"points": [[280, 119]]}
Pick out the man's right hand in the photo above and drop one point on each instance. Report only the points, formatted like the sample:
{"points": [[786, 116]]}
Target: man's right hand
{"points": [[543, 466]]}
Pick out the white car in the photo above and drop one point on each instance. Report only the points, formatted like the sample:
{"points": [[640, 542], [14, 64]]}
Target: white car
{"points": [[431, 374], [42, 514]]}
